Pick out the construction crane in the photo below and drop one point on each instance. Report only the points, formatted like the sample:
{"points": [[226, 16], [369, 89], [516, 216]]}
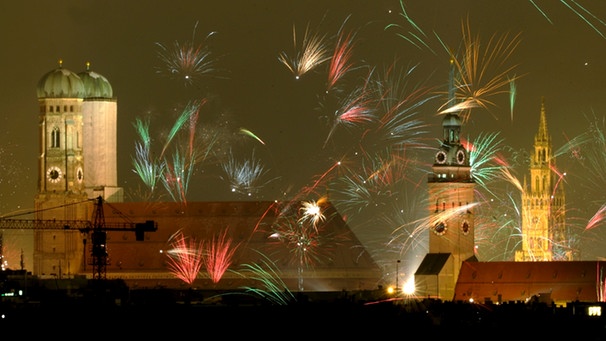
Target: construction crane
{"points": [[97, 227]]}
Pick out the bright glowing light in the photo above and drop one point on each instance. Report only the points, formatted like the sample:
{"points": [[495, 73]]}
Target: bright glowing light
{"points": [[409, 287]]}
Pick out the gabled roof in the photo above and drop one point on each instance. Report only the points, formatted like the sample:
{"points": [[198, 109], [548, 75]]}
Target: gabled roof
{"points": [[432, 264], [334, 259], [559, 281]]}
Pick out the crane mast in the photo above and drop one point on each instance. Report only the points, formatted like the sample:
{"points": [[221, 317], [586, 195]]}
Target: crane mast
{"points": [[98, 229]]}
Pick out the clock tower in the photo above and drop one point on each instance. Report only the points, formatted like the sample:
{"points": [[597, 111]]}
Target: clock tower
{"points": [[450, 217], [71, 147]]}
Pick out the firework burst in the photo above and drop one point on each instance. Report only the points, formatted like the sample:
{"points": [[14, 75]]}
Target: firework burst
{"points": [[311, 53], [268, 275], [188, 61], [246, 177], [219, 252], [481, 71], [185, 258]]}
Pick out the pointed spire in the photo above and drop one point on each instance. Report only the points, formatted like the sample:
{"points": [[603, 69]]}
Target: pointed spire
{"points": [[542, 134]]}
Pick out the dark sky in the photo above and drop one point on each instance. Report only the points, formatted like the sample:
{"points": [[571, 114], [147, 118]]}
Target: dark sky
{"points": [[560, 57]]}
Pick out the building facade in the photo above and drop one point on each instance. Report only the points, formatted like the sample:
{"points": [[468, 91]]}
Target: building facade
{"points": [[544, 232], [451, 201], [78, 171], [76, 163]]}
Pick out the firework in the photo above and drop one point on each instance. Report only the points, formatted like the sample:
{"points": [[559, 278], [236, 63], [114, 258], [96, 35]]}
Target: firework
{"points": [[587, 157], [416, 36], [251, 134], [147, 167], [481, 72], [355, 110], [246, 177], [268, 275], [312, 212], [398, 115], [185, 258], [177, 174], [486, 163], [187, 61], [172, 164], [219, 252], [310, 54], [584, 14], [304, 235], [340, 63]]}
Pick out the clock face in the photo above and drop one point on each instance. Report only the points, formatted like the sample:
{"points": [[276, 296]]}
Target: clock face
{"points": [[79, 174], [461, 157], [54, 174], [439, 228], [441, 157], [465, 227]]}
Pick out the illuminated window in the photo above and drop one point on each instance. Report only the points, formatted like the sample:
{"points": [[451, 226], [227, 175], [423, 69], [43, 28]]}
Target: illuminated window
{"points": [[594, 310], [55, 138]]}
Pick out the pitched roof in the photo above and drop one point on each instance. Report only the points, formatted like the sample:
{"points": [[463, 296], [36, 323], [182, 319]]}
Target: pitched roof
{"points": [[260, 233], [558, 281], [432, 264]]}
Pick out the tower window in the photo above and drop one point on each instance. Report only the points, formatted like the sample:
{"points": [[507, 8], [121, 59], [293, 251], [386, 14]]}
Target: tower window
{"points": [[50, 108], [55, 138]]}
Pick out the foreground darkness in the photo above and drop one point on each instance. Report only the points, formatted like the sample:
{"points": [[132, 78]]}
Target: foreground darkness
{"points": [[104, 310]]}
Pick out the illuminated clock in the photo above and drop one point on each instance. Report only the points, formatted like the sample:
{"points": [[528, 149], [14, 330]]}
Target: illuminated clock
{"points": [[465, 227], [54, 174], [461, 156], [441, 157], [79, 174], [439, 228]]}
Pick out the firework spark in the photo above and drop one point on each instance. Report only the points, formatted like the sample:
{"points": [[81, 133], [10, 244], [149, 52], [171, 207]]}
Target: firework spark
{"points": [[482, 71], [416, 36], [219, 252], [309, 55], [312, 212], [584, 14], [185, 258], [340, 63], [268, 275], [187, 61], [246, 177]]}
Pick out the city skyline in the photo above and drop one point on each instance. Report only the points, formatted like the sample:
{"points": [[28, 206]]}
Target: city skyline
{"points": [[255, 108]]}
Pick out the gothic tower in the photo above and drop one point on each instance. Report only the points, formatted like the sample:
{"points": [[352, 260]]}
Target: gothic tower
{"points": [[544, 235], [451, 201], [68, 108]]}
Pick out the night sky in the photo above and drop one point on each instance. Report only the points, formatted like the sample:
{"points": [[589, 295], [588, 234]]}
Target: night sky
{"points": [[559, 57]]}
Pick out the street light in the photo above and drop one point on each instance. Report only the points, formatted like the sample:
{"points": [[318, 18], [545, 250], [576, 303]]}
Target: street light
{"points": [[397, 273]]}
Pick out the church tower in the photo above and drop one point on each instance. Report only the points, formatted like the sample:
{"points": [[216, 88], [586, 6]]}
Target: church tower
{"points": [[544, 234], [99, 119], [69, 106], [451, 201]]}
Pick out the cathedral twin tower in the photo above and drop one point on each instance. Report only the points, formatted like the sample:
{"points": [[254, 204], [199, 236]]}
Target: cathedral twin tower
{"points": [[77, 161]]}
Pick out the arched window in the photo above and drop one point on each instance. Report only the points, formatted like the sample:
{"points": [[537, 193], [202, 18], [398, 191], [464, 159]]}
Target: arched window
{"points": [[55, 138]]}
